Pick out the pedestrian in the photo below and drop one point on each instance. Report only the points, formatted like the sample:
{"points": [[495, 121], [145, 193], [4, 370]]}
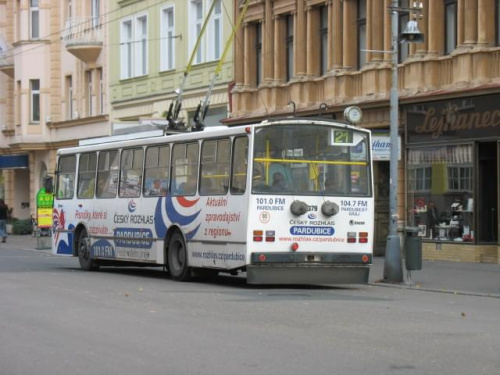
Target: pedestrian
{"points": [[4, 214]]}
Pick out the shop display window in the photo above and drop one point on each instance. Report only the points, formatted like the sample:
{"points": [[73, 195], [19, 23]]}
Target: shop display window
{"points": [[440, 192]]}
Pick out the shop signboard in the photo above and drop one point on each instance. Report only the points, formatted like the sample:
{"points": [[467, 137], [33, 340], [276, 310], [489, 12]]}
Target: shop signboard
{"points": [[44, 204], [381, 146], [452, 120]]}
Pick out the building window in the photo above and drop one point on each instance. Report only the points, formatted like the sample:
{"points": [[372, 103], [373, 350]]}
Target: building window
{"points": [[289, 47], [323, 32], [134, 47], [89, 89], [459, 178], [101, 91], [419, 179], [35, 101], [196, 17], [440, 187], [210, 44], [450, 25], [167, 59], [258, 53], [141, 52], [215, 32], [34, 20], [69, 97], [403, 48], [18, 102], [361, 33], [126, 49], [69, 9], [95, 13]]}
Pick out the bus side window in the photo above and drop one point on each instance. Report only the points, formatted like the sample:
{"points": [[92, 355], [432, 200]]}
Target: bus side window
{"points": [[156, 171], [107, 174], [65, 183], [131, 173], [215, 155], [239, 166], [86, 175], [184, 168]]}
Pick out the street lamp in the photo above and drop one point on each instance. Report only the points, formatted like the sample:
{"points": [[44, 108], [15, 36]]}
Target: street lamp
{"points": [[393, 269]]}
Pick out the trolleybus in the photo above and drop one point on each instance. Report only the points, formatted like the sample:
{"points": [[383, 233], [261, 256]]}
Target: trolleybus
{"points": [[285, 201]]}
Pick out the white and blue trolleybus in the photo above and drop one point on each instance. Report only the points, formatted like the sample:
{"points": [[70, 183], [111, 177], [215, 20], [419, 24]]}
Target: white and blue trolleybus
{"points": [[285, 201]]}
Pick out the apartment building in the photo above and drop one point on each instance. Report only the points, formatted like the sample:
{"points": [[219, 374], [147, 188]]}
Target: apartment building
{"points": [[151, 44], [53, 88], [315, 57]]}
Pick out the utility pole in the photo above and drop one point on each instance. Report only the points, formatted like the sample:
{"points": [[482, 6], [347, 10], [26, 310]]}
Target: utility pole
{"points": [[393, 267]]}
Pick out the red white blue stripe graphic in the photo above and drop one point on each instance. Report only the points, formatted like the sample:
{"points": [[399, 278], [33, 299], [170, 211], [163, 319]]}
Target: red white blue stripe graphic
{"points": [[177, 210]]}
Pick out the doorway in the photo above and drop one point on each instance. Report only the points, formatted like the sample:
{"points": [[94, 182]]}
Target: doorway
{"points": [[487, 192], [381, 178]]}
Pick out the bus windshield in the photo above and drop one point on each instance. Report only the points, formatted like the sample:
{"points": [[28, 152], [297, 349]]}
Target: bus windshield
{"points": [[300, 159]]}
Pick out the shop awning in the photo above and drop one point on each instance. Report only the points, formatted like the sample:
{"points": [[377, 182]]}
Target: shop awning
{"points": [[13, 161]]}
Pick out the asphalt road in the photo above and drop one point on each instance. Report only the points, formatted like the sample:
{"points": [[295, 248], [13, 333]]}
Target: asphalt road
{"points": [[56, 319]]}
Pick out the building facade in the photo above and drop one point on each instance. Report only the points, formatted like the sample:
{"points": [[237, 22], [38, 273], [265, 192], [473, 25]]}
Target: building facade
{"points": [[151, 44], [334, 53], [53, 88]]}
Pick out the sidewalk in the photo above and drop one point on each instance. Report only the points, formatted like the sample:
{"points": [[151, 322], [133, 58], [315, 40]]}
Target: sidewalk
{"points": [[449, 277], [437, 276], [25, 242]]}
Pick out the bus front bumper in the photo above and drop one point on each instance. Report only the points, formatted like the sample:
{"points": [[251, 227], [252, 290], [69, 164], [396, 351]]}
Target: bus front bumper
{"points": [[308, 268]]}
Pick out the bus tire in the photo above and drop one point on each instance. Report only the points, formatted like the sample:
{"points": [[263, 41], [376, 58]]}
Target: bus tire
{"points": [[87, 263], [177, 258]]}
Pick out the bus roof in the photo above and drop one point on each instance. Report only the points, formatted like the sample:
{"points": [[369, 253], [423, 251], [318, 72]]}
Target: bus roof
{"points": [[159, 136]]}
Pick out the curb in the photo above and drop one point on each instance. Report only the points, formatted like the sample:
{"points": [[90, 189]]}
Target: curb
{"points": [[416, 287]]}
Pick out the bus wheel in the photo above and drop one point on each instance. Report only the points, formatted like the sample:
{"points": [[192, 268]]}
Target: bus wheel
{"points": [[177, 258], [87, 263]]}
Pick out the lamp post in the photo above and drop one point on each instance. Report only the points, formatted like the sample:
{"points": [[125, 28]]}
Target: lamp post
{"points": [[393, 268]]}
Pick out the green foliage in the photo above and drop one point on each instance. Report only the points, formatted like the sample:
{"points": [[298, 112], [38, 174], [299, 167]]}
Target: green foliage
{"points": [[22, 226]]}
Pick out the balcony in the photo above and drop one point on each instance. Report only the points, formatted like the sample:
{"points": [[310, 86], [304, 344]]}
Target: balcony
{"points": [[6, 60], [83, 38]]}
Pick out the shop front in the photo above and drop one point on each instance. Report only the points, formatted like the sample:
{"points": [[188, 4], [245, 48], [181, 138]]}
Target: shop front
{"points": [[452, 177], [381, 153]]}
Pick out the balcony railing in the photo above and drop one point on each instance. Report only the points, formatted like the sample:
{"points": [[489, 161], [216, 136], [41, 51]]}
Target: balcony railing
{"points": [[82, 30], [83, 38]]}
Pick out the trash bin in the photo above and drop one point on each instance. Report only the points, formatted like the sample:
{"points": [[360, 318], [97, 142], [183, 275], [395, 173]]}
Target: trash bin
{"points": [[413, 249]]}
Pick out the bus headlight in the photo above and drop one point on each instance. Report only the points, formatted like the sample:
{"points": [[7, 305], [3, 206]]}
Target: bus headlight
{"points": [[329, 208]]}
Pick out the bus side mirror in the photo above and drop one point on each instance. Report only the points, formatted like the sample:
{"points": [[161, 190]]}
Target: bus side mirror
{"points": [[48, 184]]}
